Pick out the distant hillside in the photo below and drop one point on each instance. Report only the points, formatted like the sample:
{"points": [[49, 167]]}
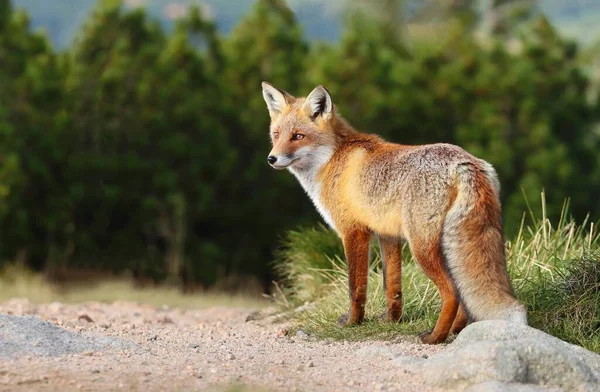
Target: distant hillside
{"points": [[320, 19], [61, 19]]}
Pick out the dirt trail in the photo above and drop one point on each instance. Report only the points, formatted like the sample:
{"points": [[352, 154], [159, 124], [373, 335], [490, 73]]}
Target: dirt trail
{"points": [[210, 349]]}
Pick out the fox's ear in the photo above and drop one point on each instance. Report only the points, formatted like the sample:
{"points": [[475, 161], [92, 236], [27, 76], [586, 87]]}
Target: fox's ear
{"points": [[319, 103], [276, 99]]}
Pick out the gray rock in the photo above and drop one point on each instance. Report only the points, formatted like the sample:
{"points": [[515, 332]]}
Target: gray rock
{"points": [[496, 355], [29, 335], [496, 386], [497, 330]]}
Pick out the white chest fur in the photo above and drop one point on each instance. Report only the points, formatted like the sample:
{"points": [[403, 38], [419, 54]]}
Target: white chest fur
{"points": [[308, 178]]}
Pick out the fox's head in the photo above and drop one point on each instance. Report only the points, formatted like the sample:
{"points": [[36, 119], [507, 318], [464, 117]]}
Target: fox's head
{"points": [[301, 128]]}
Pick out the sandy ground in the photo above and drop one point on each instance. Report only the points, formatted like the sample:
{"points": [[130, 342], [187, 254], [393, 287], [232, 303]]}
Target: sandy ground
{"points": [[214, 349]]}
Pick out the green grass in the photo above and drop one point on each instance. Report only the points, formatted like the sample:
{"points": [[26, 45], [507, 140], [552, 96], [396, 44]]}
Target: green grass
{"points": [[313, 250], [16, 281], [556, 273], [555, 269]]}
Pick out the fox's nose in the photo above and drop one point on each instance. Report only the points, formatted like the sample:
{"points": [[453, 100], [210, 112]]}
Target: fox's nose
{"points": [[272, 159]]}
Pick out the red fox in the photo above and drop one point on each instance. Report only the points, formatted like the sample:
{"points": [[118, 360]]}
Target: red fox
{"points": [[439, 198]]}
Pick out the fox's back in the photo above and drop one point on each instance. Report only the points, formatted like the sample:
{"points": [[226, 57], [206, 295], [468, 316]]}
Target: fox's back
{"points": [[393, 188]]}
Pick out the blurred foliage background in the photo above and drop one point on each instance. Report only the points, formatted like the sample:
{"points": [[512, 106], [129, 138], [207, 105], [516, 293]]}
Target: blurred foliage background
{"points": [[137, 141]]}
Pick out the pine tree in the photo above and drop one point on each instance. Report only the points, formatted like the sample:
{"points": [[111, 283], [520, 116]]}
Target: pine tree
{"points": [[362, 72], [33, 213], [154, 149], [267, 45]]}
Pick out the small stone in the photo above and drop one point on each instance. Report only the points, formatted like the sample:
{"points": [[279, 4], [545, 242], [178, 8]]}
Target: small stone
{"points": [[85, 317], [301, 334], [194, 345], [425, 356], [231, 357], [253, 316], [310, 364], [282, 332], [95, 371], [153, 338]]}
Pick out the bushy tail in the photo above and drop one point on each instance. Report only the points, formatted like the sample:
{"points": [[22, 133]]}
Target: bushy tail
{"points": [[473, 245]]}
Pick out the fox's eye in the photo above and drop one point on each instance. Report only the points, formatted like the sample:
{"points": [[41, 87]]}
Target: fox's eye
{"points": [[298, 136], [275, 135]]}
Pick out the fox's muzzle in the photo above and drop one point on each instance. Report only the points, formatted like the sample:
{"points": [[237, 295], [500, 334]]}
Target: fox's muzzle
{"points": [[280, 162]]}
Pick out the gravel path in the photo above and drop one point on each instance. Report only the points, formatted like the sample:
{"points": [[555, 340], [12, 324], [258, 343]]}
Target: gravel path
{"points": [[127, 346]]}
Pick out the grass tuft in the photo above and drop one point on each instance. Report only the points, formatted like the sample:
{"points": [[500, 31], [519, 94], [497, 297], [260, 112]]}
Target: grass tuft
{"points": [[555, 270], [304, 260]]}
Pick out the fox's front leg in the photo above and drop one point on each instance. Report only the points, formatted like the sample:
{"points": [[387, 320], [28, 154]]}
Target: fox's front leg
{"points": [[356, 248]]}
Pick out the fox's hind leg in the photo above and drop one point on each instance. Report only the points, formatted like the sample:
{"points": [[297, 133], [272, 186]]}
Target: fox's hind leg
{"points": [[356, 247], [431, 260], [461, 320], [391, 253]]}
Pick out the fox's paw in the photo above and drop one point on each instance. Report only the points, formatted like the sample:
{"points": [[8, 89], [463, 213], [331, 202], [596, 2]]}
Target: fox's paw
{"points": [[392, 317], [345, 320], [429, 338]]}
